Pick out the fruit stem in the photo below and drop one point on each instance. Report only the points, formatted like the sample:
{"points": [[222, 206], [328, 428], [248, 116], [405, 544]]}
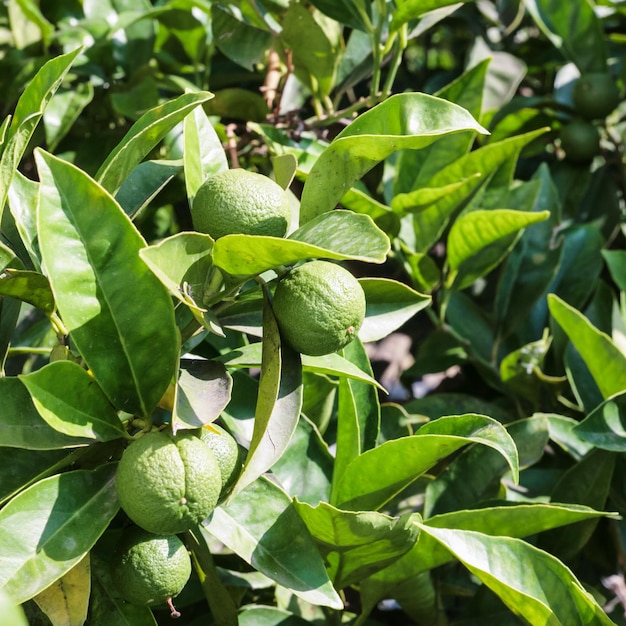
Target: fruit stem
{"points": [[173, 612]]}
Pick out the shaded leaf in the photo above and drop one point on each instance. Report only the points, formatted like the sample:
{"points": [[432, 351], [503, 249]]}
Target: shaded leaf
{"points": [[605, 426], [411, 9], [31, 287]]}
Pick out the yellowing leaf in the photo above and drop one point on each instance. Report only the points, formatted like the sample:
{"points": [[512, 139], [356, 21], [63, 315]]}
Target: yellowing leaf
{"points": [[66, 601]]}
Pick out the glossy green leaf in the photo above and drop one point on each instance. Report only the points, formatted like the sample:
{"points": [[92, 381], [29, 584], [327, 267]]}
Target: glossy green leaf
{"points": [[143, 184], [203, 154], [49, 527], [143, 136], [203, 391], [331, 364], [419, 199], [605, 426], [182, 263], [474, 231], [474, 476], [119, 315], [28, 112], [358, 416], [21, 426], [430, 223], [378, 475], [411, 9], [338, 235], [357, 544], [605, 361], [31, 287], [284, 167], [279, 402], [262, 526], [315, 44], [574, 29], [262, 615], [533, 584], [403, 121], [389, 305], [71, 401], [563, 433], [12, 613], [23, 201]]}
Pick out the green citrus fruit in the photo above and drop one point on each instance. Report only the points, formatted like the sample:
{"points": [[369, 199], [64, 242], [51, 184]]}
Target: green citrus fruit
{"points": [[580, 141], [595, 95], [319, 307], [227, 452], [237, 201], [150, 569], [168, 484]]}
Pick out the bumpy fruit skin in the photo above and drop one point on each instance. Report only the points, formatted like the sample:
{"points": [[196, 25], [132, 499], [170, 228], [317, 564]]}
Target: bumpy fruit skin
{"points": [[319, 307], [237, 201], [227, 452], [168, 484], [149, 569], [595, 95], [580, 141]]}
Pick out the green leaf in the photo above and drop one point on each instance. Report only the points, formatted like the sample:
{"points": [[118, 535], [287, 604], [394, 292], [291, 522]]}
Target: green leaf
{"points": [[71, 401], [203, 154], [63, 110], [430, 223], [23, 202], [616, 263], [378, 475], [605, 361], [21, 426], [389, 305], [306, 467], [330, 364], [336, 235], [203, 391], [357, 544], [474, 476], [358, 416], [533, 584], [355, 13], [143, 183], [411, 9], [118, 314], [279, 402], [28, 113], [605, 426], [315, 44], [474, 231], [262, 526], [411, 120], [182, 263], [49, 527], [27, 286], [574, 29], [143, 136]]}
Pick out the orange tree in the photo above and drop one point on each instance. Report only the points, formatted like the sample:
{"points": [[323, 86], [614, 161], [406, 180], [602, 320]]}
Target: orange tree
{"points": [[423, 147]]}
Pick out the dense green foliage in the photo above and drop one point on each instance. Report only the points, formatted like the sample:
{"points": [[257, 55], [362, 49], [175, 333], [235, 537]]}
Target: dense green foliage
{"points": [[475, 477]]}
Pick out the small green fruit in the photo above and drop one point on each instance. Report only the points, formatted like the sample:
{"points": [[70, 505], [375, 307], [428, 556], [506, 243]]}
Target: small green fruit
{"points": [[227, 452], [150, 569], [580, 141], [595, 95]]}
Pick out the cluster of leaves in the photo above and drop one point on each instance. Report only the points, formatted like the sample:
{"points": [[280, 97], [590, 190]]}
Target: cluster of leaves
{"points": [[469, 231]]}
